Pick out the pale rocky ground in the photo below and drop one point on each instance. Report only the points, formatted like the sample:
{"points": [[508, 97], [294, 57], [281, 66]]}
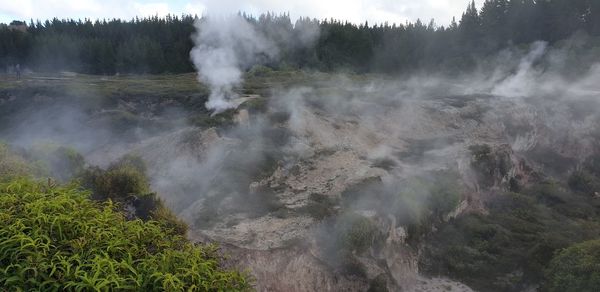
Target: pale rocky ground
{"points": [[332, 149], [438, 285]]}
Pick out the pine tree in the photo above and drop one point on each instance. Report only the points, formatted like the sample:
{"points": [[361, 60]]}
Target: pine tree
{"points": [[470, 27], [493, 23]]}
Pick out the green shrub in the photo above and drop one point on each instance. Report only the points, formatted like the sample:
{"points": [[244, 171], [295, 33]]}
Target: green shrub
{"points": [[260, 71], [131, 160], [56, 238], [62, 163], [168, 220], [125, 182], [592, 164], [349, 265], [378, 284], [583, 181], [319, 206], [445, 193], [205, 120], [384, 163], [119, 121], [117, 183], [355, 232], [488, 164], [41, 160], [575, 269], [255, 105], [509, 248], [122, 180], [425, 200], [481, 152], [344, 238], [12, 165]]}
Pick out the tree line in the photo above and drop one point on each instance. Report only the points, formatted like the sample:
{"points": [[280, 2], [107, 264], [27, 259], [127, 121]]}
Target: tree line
{"points": [[162, 44]]}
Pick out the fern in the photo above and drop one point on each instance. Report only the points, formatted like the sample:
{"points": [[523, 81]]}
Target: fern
{"points": [[55, 238]]}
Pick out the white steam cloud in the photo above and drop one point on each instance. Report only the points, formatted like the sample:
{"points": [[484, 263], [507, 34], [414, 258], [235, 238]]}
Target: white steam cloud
{"points": [[522, 83], [224, 46]]}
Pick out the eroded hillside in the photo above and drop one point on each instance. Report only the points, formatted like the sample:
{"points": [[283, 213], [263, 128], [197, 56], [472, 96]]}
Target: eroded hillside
{"points": [[328, 182]]}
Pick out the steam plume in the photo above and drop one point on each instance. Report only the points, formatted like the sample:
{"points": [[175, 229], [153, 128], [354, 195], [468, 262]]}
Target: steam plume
{"points": [[223, 47]]}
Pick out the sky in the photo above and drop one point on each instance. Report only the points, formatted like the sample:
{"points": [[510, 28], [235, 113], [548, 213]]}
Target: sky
{"points": [[356, 11]]}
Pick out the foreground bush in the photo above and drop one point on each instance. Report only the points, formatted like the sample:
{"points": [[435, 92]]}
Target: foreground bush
{"points": [[56, 238]]}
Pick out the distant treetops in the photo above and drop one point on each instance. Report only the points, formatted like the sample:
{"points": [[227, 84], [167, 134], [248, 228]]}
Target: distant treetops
{"points": [[162, 45]]}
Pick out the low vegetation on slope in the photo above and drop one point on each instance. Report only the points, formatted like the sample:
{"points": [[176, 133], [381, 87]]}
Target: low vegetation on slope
{"points": [[12, 165], [576, 268], [529, 237], [56, 237], [511, 247]]}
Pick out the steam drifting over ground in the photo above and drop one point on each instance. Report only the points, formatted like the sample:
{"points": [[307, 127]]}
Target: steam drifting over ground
{"points": [[377, 148], [338, 154]]}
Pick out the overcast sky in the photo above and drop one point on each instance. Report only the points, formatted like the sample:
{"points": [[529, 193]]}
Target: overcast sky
{"points": [[357, 11]]}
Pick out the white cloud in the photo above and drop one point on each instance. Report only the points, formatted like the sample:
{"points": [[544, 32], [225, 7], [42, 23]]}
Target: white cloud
{"points": [[145, 9], [357, 11], [18, 9], [47, 9], [194, 9]]}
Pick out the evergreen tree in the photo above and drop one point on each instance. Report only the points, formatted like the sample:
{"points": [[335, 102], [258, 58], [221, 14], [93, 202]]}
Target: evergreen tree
{"points": [[493, 23], [470, 27], [162, 45]]}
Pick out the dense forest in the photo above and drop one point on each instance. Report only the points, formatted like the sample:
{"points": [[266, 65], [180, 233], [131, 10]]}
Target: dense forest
{"points": [[162, 45]]}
